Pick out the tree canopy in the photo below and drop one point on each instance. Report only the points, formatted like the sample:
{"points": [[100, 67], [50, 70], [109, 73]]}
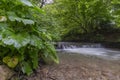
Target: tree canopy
{"points": [[86, 16]]}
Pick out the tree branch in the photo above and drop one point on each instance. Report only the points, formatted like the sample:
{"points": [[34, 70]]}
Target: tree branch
{"points": [[42, 3]]}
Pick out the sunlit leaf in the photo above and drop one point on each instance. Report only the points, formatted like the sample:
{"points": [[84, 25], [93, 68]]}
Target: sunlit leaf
{"points": [[10, 61], [3, 18], [26, 2], [27, 21], [6, 59]]}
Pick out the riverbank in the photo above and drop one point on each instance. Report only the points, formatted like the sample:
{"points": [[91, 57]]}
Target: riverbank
{"points": [[78, 67]]}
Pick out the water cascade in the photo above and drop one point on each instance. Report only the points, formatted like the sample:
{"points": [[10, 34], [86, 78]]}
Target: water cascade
{"points": [[73, 45], [93, 49]]}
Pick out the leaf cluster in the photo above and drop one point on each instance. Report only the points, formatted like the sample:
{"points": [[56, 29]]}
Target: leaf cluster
{"points": [[23, 41]]}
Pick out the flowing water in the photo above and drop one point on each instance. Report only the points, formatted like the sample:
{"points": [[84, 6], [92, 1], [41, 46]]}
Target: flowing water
{"points": [[90, 49], [79, 66]]}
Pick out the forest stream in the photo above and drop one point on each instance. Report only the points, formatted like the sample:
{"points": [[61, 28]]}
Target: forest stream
{"points": [[93, 63], [59, 39]]}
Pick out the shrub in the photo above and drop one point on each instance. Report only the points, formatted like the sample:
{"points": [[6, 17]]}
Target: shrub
{"points": [[22, 40]]}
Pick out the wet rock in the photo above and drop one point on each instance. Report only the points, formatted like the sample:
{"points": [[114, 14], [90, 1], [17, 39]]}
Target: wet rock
{"points": [[5, 72]]}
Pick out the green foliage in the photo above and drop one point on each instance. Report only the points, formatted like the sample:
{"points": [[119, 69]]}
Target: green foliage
{"points": [[22, 38], [84, 14], [77, 17], [116, 11]]}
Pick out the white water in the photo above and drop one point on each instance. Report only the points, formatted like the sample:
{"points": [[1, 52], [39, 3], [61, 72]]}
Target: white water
{"points": [[99, 52], [90, 49]]}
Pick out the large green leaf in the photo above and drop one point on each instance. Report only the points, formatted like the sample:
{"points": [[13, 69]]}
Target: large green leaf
{"points": [[34, 58], [52, 52], [13, 17], [11, 61], [26, 2], [27, 21], [26, 68], [3, 26], [36, 41], [17, 40]]}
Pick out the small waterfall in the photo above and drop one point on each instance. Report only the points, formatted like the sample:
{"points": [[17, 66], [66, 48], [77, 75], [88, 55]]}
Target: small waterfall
{"points": [[92, 46], [72, 45], [95, 49]]}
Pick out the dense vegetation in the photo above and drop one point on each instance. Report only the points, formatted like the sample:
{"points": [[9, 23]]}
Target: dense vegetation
{"points": [[87, 20], [23, 35]]}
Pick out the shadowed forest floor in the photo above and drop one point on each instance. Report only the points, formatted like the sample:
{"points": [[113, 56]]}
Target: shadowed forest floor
{"points": [[78, 67]]}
